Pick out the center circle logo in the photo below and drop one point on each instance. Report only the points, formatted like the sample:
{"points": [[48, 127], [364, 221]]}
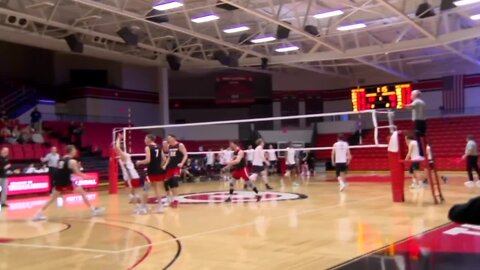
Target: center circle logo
{"points": [[237, 197]]}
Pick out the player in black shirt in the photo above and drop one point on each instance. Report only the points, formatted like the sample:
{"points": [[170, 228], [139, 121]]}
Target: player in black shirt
{"points": [[177, 157], [67, 166], [4, 166], [239, 166], [155, 162]]}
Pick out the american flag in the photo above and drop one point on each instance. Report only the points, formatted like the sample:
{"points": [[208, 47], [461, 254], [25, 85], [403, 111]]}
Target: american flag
{"points": [[453, 94]]}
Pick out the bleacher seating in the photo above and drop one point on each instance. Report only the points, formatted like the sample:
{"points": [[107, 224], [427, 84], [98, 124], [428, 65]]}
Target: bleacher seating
{"points": [[447, 138], [26, 152]]}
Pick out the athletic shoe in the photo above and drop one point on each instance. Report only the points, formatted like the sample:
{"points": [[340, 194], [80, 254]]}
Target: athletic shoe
{"points": [[469, 184], [160, 209], [97, 211], [229, 199], [342, 186], [445, 179], [174, 204], [477, 183], [258, 197], [267, 186], [141, 210], [39, 217]]}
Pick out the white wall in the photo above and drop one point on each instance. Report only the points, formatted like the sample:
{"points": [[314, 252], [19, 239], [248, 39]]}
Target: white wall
{"points": [[139, 78], [218, 132], [201, 115], [337, 106], [103, 110], [472, 97], [63, 63], [336, 127], [271, 136], [47, 110]]}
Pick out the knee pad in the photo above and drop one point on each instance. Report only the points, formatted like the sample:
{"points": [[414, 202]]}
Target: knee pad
{"points": [[173, 182], [166, 185]]}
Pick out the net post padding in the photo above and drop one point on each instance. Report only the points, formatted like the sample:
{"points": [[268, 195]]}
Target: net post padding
{"points": [[113, 172]]}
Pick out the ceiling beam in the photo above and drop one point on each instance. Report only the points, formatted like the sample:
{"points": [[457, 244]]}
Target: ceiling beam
{"points": [[385, 69], [406, 18], [137, 17], [283, 24], [406, 45]]}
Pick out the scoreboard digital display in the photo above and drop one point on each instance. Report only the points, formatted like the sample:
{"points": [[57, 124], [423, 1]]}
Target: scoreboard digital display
{"points": [[381, 97]]}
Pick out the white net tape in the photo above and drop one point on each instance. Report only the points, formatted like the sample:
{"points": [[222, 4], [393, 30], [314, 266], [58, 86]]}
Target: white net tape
{"points": [[374, 114]]}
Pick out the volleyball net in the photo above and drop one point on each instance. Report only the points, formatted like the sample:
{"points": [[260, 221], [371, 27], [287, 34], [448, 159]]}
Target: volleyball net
{"points": [[365, 129]]}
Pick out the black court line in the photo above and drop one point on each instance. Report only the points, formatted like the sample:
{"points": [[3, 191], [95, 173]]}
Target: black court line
{"points": [[68, 226], [179, 243], [386, 246]]}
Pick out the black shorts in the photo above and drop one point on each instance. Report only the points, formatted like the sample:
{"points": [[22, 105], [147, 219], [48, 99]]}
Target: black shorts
{"points": [[420, 128], [273, 164], [341, 167], [258, 169], [415, 166], [291, 167]]}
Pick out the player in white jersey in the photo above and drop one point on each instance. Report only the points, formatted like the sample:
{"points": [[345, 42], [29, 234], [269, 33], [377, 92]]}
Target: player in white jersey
{"points": [[258, 164], [272, 158], [414, 156], [249, 153], [131, 177], [209, 162], [291, 162], [341, 157]]}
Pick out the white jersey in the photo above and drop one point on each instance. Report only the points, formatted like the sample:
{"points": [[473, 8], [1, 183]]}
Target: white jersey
{"points": [[272, 156], [290, 156], [341, 151], [258, 156], [227, 156], [210, 158], [249, 154], [415, 154], [128, 169]]}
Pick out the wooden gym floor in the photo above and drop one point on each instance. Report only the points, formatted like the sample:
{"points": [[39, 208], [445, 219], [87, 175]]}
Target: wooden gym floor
{"points": [[319, 232]]}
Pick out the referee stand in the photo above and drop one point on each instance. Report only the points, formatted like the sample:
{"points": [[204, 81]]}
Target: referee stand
{"points": [[431, 167]]}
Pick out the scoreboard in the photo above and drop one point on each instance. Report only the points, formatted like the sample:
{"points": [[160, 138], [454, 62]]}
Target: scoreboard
{"points": [[381, 97]]}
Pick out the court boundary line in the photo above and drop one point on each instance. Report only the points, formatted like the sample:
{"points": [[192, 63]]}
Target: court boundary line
{"points": [[250, 223], [386, 246]]}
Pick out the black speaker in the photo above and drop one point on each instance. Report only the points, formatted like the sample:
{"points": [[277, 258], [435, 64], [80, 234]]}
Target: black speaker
{"points": [[221, 57], [156, 16], [74, 43], [282, 32], [173, 62], [312, 30], [245, 39], [264, 63], [447, 4], [226, 6], [128, 36], [424, 10]]}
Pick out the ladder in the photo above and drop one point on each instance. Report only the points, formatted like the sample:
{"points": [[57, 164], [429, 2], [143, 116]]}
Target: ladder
{"points": [[433, 178]]}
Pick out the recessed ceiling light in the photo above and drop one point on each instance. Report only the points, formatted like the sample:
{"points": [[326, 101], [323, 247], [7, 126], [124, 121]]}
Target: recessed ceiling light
{"points": [[166, 5], [287, 49], [263, 39], [465, 2], [328, 14], [351, 27], [236, 29], [205, 18]]}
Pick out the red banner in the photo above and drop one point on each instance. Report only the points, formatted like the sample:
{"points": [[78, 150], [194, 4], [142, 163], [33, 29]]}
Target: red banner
{"points": [[235, 90], [40, 183]]}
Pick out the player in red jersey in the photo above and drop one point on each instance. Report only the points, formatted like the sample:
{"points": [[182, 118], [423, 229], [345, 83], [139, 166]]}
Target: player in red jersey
{"points": [[239, 166], [177, 156], [155, 162]]}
